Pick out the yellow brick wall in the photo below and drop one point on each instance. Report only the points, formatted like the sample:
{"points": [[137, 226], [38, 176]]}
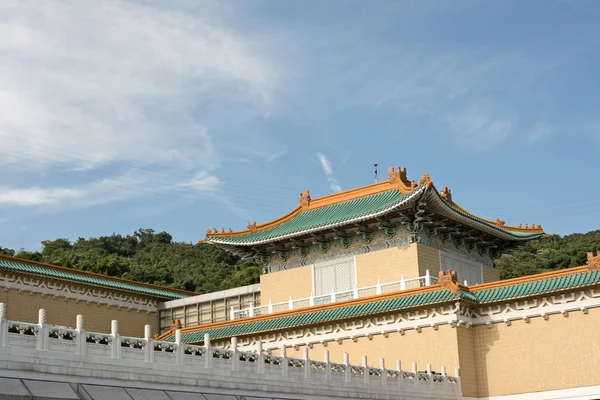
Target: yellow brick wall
{"points": [[557, 353], [428, 259], [24, 307], [490, 274], [428, 347], [279, 286], [467, 362], [386, 265]]}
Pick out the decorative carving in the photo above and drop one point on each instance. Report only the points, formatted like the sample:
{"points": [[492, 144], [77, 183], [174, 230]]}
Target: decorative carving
{"points": [[284, 253], [368, 234], [208, 231], [446, 194], [303, 248], [251, 226], [390, 229], [499, 223], [396, 176], [345, 238], [593, 261], [229, 230], [323, 242], [175, 324], [449, 281], [222, 230], [215, 230], [304, 199], [426, 180]]}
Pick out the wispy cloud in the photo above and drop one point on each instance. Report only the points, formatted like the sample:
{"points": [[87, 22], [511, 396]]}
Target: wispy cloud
{"points": [[328, 170], [131, 89]]}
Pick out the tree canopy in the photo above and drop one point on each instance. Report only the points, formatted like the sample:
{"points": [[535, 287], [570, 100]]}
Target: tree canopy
{"points": [[147, 256], [151, 257]]}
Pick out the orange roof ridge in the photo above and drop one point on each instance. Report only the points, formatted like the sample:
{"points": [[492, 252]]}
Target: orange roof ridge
{"points": [[528, 278], [396, 180], [95, 275], [308, 310]]}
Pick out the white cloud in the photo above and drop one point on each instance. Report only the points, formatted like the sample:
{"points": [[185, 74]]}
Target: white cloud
{"points": [[328, 170], [478, 130], [87, 85]]}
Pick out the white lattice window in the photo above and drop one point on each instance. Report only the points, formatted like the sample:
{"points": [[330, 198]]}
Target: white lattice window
{"points": [[334, 276], [466, 269]]}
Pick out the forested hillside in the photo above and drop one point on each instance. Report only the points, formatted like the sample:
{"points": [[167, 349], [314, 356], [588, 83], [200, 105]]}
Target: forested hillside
{"points": [[146, 256]]}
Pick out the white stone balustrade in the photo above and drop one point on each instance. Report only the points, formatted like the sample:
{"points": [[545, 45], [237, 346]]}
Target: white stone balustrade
{"points": [[356, 293], [67, 344]]}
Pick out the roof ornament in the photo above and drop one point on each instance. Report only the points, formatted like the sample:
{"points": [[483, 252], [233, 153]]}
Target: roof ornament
{"points": [[426, 179], [398, 177], [215, 230], [175, 324], [251, 226], [446, 194], [208, 232], [229, 230], [449, 280], [593, 261], [304, 199], [499, 223]]}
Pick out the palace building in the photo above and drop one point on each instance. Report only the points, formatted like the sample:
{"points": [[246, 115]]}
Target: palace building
{"points": [[390, 282]]}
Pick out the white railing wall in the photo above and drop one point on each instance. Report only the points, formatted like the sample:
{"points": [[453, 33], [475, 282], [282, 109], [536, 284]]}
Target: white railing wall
{"points": [[77, 341], [356, 293]]}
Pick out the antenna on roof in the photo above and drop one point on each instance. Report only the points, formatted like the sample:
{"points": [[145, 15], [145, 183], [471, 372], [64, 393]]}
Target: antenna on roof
{"points": [[375, 166]]}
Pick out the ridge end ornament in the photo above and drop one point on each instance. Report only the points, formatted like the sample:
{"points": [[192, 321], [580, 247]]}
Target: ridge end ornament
{"points": [[449, 280], [251, 226], [446, 194], [499, 223], [304, 199], [593, 262]]}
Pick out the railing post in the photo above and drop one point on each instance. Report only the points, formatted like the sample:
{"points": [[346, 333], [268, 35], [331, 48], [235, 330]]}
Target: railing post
{"points": [[458, 383], [347, 369], [179, 347], [430, 374], [291, 304], [311, 299], [270, 307], [149, 355], [251, 311], [80, 341], [402, 282], [355, 292], [399, 369], [327, 365], [444, 373], [378, 287], [231, 314], [207, 351], [43, 330], [235, 357], [427, 278], [260, 360], [284, 360], [383, 371], [116, 339], [333, 295], [3, 325], [365, 363], [307, 370], [416, 372]]}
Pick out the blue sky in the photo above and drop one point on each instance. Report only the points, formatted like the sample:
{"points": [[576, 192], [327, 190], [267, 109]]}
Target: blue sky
{"points": [[185, 115]]}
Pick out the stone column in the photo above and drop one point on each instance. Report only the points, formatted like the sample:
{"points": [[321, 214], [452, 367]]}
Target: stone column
{"points": [[383, 371], [260, 359], [235, 358], [208, 354], [178, 348], [365, 363], [307, 370], [42, 331], [149, 348], [80, 341], [347, 367], [116, 339], [327, 362], [3, 325], [284, 360]]}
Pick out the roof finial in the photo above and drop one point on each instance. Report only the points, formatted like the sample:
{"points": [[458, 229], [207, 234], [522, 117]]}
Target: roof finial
{"points": [[446, 194], [304, 199], [375, 166]]}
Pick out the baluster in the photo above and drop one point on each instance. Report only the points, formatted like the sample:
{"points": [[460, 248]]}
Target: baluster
{"points": [[444, 373], [347, 368], [427, 278], [416, 372], [284, 360], [178, 347], [251, 310], [149, 348], [116, 339], [207, 351], [270, 307], [235, 357], [291, 304], [365, 363], [378, 287], [80, 342], [399, 368], [402, 282], [261, 358], [311, 299], [3, 325], [327, 365], [333, 295], [383, 373], [42, 343], [430, 374], [307, 370], [458, 382]]}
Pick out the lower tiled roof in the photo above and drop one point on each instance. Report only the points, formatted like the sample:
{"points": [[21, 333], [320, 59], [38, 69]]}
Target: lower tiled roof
{"points": [[51, 271], [327, 315]]}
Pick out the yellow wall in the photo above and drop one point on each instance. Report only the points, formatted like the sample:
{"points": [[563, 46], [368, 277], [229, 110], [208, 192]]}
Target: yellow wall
{"points": [[279, 286], [428, 259], [386, 265], [557, 353], [25, 307]]}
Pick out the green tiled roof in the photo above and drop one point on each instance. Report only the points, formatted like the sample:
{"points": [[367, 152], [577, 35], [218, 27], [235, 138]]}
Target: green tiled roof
{"points": [[50, 272], [323, 217], [314, 317], [537, 287]]}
